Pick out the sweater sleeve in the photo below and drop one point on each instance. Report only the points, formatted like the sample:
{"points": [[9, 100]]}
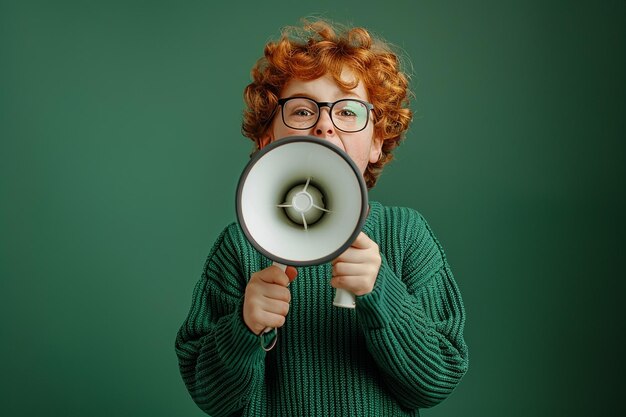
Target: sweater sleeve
{"points": [[220, 359], [413, 319]]}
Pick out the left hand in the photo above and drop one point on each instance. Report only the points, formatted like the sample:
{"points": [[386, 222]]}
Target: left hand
{"points": [[356, 269]]}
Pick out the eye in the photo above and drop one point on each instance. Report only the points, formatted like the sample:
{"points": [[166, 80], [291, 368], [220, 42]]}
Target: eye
{"points": [[345, 112], [302, 112], [348, 110], [300, 108]]}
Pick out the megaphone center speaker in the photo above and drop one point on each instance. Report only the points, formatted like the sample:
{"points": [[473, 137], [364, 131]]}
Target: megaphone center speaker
{"points": [[304, 204]]}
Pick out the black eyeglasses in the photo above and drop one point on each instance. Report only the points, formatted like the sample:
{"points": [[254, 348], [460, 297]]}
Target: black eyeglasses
{"points": [[348, 115]]}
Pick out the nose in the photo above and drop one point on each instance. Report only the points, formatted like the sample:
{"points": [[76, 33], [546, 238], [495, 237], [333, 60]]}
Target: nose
{"points": [[324, 127]]}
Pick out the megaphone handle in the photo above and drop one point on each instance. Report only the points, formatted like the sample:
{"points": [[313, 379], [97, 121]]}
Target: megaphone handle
{"points": [[269, 329], [344, 298], [281, 266]]}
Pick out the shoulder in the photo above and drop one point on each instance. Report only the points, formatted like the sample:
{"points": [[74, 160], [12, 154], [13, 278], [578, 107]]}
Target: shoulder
{"points": [[399, 213], [408, 230], [398, 218], [230, 242], [233, 231], [232, 253]]}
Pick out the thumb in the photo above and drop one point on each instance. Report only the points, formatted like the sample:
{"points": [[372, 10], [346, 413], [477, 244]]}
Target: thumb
{"points": [[291, 272]]}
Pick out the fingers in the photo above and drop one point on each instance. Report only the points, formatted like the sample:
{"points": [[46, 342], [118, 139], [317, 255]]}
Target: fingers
{"points": [[273, 275], [348, 268], [269, 283], [267, 298], [274, 307], [358, 278], [356, 269], [362, 249], [358, 256], [275, 292], [356, 284], [362, 241], [258, 319]]}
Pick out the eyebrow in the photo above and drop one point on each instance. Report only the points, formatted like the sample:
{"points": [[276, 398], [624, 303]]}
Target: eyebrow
{"points": [[348, 95]]}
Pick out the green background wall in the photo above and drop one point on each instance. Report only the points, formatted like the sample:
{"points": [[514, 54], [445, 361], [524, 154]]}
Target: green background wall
{"points": [[121, 148]]}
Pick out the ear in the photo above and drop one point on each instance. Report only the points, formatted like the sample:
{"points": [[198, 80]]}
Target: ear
{"points": [[376, 149]]}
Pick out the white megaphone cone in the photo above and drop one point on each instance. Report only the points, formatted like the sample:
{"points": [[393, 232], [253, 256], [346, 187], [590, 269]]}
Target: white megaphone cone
{"points": [[302, 201]]}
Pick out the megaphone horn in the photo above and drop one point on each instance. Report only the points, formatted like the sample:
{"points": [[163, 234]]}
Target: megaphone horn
{"points": [[302, 201]]}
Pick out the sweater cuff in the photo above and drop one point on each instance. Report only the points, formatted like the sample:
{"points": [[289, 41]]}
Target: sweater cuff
{"points": [[376, 309], [236, 345]]}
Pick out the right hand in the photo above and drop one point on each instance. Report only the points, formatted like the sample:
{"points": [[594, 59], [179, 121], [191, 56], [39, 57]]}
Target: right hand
{"points": [[267, 298]]}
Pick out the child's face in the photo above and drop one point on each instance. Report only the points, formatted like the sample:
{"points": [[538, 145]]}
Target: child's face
{"points": [[361, 146]]}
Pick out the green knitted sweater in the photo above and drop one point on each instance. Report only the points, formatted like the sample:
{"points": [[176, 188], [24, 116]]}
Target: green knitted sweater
{"points": [[399, 350]]}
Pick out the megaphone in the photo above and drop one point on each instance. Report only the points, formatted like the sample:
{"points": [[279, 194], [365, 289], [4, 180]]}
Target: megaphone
{"points": [[302, 201]]}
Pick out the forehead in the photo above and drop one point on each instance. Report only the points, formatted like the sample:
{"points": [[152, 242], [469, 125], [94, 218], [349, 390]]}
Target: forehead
{"points": [[326, 88]]}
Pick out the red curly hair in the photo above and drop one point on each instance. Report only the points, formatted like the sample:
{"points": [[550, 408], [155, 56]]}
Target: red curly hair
{"points": [[319, 48]]}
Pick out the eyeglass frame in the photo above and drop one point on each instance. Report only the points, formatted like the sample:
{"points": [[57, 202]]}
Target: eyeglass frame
{"points": [[330, 104]]}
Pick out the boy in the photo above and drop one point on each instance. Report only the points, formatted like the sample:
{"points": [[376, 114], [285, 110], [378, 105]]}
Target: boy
{"points": [[402, 347]]}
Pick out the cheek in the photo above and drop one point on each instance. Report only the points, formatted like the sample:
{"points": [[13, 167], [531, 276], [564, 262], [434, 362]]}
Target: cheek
{"points": [[281, 131], [358, 154], [358, 148]]}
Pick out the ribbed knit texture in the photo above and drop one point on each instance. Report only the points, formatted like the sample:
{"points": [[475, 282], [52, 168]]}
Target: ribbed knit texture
{"points": [[401, 349]]}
